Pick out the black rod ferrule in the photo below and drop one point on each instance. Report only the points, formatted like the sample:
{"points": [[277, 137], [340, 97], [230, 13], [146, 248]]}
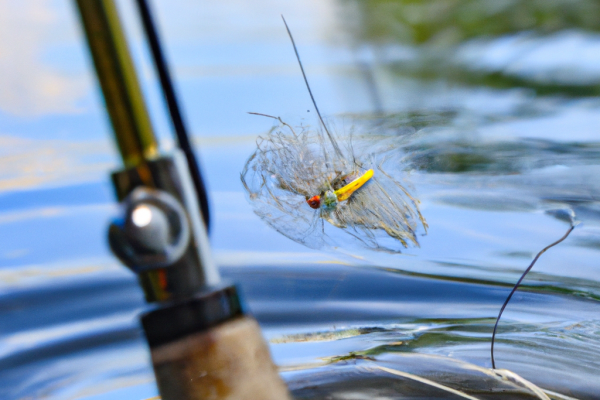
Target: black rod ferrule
{"points": [[172, 321]]}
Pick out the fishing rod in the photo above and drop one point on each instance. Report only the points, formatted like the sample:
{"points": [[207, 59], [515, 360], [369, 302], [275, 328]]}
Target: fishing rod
{"points": [[166, 83], [202, 343]]}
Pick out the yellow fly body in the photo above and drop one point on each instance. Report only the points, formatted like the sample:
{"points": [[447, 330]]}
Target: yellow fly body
{"points": [[345, 192]]}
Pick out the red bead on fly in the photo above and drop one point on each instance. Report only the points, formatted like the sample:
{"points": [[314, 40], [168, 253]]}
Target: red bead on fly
{"points": [[314, 202]]}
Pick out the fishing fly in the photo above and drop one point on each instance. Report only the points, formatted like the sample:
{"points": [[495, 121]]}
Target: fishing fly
{"points": [[300, 178]]}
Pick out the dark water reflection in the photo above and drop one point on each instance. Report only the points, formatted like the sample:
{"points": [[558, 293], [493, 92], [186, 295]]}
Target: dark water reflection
{"points": [[367, 313], [494, 104]]}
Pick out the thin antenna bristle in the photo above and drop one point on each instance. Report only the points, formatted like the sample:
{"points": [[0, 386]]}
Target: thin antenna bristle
{"points": [[277, 118], [262, 115], [333, 142]]}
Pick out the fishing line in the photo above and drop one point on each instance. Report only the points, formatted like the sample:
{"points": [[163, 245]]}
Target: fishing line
{"points": [[519, 282], [333, 142], [169, 93]]}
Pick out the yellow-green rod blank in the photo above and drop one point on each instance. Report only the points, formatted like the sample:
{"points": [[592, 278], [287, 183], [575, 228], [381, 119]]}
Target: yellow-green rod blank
{"points": [[118, 80]]}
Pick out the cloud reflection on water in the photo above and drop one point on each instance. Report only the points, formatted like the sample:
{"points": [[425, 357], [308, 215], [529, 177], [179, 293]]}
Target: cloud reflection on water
{"points": [[27, 163], [32, 34]]}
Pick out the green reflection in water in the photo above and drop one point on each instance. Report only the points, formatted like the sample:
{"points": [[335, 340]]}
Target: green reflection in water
{"points": [[433, 30], [453, 21]]}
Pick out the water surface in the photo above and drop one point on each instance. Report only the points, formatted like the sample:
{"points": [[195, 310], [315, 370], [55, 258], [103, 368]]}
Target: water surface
{"points": [[496, 107]]}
